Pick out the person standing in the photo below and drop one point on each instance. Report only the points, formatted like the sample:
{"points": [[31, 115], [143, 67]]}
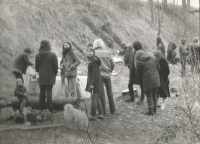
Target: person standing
{"points": [[160, 45], [46, 64], [147, 70], [163, 90], [21, 62], [69, 64], [128, 55], [183, 56], [94, 84], [106, 68], [133, 79]]}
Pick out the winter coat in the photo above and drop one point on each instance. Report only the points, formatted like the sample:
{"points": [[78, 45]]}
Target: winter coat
{"points": [[107, 62], [147, 70], [21, 63], [164, 72], [71, 60], [20, 91], [182, 53], [94, 76], [128, 55], [161, 47], [46, 64]]}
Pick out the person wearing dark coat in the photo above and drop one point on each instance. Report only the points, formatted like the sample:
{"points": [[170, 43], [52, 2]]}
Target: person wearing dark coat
{"points": [[163, 90], [46, 64], [160, 45], [94, 83], [133, 77], [147, 70], [170, 52], [21, 62]]}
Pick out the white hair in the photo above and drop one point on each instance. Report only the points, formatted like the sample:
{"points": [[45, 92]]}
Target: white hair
{"points": [[99, 43]]}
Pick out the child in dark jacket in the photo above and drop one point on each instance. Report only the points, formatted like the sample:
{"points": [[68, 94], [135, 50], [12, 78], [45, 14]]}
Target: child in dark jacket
{"points": [[21, 93]]}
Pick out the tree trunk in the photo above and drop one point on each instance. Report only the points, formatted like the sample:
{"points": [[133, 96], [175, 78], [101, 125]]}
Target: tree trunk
{"points": [[159, 26], [151, 8], [58, 104], [184, 5], [107, 28], [108, 41], [165, 4], [188, 5], [162, 10]]}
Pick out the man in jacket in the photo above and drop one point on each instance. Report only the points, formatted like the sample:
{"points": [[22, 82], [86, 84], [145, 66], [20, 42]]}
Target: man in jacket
{"points": [[160, 45], [106, 68], [183, 55], [21, 62], [46, 64], [69, 63], [194, 55], [133, 79]]}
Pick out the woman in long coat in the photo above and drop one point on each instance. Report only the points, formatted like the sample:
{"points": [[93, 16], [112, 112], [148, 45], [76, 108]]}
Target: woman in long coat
{"points": [[163, 90], [94, 84], [147, 70]]}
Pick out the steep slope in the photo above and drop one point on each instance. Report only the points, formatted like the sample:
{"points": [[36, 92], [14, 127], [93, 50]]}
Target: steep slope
{"points": [[24, 23]]}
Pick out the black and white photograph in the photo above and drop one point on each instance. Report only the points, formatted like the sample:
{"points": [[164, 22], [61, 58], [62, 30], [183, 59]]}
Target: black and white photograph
{"points": [[99, 72]]}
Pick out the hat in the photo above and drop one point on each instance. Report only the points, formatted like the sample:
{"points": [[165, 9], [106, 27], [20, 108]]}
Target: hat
{"points": [[195, 40]]}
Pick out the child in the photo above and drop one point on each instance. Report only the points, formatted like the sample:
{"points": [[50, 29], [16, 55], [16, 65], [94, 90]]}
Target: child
{"points": [[94, 84], [21, 93]]}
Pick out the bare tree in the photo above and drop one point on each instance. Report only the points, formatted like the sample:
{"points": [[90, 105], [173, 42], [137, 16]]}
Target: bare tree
{"points": [[159, 25], [184, 5], [151, 7], [165, 4], [188, 5], [162, 10]]}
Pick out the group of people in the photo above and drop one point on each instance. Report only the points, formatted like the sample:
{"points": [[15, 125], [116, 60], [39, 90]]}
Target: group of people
{"points": [[149, 70], [100, 67]]}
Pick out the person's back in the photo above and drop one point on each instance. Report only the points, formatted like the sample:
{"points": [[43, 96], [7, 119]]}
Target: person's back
{"points": [[46, 65], [22, 61]]}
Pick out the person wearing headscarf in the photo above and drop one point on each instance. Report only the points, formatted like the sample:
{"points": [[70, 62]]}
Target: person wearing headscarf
{"points": [[94, 83], [46, 64], [163, 90], [133, 79], [106, 68], [69, 63], [160, 45], [147, 70], [21, 62], [183, 55]]}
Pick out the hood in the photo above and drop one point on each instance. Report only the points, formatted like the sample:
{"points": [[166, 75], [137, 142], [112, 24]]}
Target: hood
{"points": [[97, 60], [142, 56]]}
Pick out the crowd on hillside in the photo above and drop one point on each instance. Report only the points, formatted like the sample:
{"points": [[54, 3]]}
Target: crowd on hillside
{"points": [[149, 70]]}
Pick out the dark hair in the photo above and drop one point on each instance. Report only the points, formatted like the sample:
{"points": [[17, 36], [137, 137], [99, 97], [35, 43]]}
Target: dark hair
{"points": [[45, 46], [137, 45], [27, 50], [70, 50], [67, 43], [158, 40]]}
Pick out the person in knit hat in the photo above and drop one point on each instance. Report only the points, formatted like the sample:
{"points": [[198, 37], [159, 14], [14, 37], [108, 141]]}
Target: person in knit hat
{"points": [[21, 62], [21, 93]]}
